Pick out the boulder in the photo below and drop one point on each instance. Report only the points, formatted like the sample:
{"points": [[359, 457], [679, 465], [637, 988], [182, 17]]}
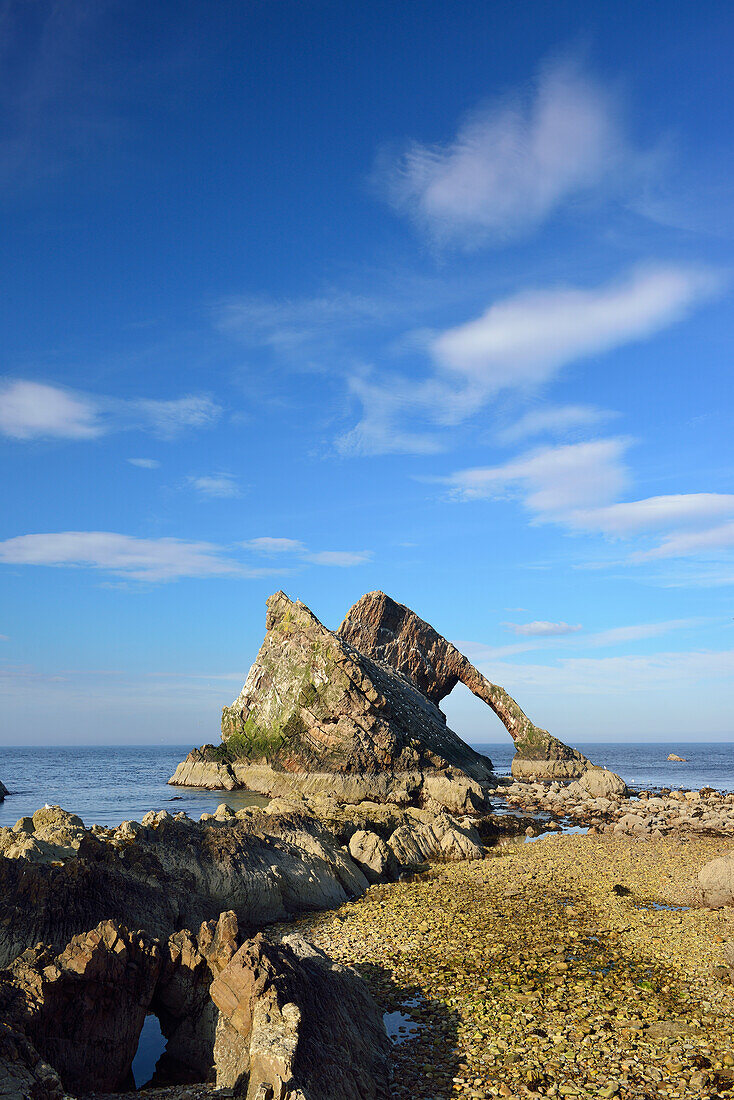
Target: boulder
{"points": [[370, 852], [391, 633], [677, 759], [716, 882], [202, 769], [293, 1023], [3, 792], [600, 783], [429, 836]]}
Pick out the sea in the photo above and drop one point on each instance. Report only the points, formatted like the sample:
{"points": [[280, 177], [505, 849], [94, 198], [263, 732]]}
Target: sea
{"points": [[108, 784]]}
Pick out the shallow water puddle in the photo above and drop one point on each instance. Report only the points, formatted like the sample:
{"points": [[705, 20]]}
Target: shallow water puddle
{"points": [[400, 1027]]}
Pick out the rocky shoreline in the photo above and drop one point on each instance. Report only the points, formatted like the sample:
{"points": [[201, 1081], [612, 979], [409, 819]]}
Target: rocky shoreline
{"points": [[485, 966]]}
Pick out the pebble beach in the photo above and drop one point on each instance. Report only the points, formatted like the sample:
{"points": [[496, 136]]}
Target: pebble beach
{"points": [[573, 966]]}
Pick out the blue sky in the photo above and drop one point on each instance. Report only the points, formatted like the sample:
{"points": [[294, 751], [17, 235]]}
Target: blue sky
{"points": [[332, 297]]}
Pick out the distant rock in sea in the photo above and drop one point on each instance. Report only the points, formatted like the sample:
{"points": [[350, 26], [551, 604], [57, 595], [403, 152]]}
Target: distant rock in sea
{"points": [[3, 791], [677, 759]]}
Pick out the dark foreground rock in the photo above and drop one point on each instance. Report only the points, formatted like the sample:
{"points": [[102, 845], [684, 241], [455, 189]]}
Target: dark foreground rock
{"points": [[266, 1020], [3, 791], [165, 873], [393, 634]]}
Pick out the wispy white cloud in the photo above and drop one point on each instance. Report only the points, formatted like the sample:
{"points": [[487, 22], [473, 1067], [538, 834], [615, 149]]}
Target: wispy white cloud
{"points": [[680, 510], [122, 555], [168, 418], [620, 635], [574, 485], [287, 325], [517, 160], [555, 420], [543, 629], [517, 345], [268, 545], [216, 486], [145, 463], [553, 482], [33, 410], [341, 558], [37, 410], [384, 425], [524, 340], [691, 543], [162, 559], [618, 675]]}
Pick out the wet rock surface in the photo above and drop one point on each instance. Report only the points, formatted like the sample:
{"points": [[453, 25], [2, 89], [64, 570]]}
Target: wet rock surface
{"points": [[640, 814]]}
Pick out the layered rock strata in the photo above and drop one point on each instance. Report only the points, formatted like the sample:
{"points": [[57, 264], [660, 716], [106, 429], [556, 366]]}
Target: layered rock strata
{"points": [[391, 633], [317, 715], [269, 1020], [166, 873]]}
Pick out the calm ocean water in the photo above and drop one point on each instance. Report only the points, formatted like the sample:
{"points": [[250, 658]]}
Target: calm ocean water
{"points": [[108, 784]]}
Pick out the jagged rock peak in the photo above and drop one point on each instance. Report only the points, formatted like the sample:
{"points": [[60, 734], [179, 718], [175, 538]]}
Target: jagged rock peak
{"points": [[389, 632], [314, 702]]}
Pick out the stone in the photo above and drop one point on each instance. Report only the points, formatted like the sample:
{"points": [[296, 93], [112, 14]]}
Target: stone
{"points": [[370, 852], [716, 882], [600, 783], [677, 759], [291, 1022], [430, 836], [3, 792], [389, 632]]}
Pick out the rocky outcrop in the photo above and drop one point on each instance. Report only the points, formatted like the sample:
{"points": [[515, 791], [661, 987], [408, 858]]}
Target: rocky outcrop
{"points": [[313, 703], [171, 873], [393, 634], [83, 1010], [269, 1018], [23, 1073], [677, 759], [3, 792], [167, 873], [294, 1024]]}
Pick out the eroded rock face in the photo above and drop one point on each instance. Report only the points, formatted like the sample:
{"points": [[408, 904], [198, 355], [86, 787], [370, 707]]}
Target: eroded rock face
{"points": [[83, 1010], [297, 1023], [313, 702], [391, 633], [23, 1073], [174, 873]]}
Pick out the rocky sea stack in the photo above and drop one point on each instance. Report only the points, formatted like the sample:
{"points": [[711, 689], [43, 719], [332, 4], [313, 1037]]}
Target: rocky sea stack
{"points": [[355, 713]]}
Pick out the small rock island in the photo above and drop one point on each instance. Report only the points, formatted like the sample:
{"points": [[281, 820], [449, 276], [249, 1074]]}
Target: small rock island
{"points": [[355, 712]]}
